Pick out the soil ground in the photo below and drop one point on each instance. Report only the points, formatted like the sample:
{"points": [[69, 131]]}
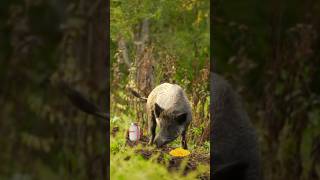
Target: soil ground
{"points": [[194, 159]]}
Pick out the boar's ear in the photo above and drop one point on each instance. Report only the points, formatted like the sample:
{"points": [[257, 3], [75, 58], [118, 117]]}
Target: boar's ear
{"points": [[158, 110], [182, 118]]}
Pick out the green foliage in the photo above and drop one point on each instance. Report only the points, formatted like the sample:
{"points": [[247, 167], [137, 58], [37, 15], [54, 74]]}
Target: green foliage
{"points": [[126, 163], [178, 28], [136, 167]]}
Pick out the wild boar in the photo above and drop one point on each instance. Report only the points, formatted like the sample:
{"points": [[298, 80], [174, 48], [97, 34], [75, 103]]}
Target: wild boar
{"points": [[235, 147], [168, 107]]}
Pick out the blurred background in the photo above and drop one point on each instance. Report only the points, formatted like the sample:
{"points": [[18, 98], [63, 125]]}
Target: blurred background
{"points": [[42, 136], [269, 50]]}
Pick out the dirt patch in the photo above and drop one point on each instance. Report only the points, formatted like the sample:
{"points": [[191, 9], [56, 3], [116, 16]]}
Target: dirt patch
{"points": [[172, 163]]}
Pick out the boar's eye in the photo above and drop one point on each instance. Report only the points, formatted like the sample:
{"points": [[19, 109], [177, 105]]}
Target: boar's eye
{"points": [[158, 110], [181, 118]]}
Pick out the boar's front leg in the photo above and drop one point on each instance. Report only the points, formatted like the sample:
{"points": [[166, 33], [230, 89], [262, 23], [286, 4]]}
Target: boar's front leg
{"points": [[152, 127], [184, 139]]}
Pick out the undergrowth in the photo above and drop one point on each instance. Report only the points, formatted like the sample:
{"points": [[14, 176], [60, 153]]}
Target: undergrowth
{"points": [[127, 164]]}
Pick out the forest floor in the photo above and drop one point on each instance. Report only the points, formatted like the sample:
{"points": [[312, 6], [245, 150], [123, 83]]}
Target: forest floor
{"points": [[185, 165]]}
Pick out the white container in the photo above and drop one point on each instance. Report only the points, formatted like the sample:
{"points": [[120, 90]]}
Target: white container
{"points": [[134, 132]]}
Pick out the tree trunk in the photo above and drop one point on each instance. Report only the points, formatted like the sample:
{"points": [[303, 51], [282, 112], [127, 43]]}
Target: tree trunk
{"points": [[122, 46]]}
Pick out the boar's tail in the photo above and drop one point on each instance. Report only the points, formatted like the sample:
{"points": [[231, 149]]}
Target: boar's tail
{"points": [[136, 94], [79, 101]]}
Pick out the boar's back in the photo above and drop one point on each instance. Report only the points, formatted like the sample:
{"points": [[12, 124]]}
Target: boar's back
{"points": [[168, 96]]}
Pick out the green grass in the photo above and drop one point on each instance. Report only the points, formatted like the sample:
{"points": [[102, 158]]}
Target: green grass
{"points": [[126, 164], [139, 168]]}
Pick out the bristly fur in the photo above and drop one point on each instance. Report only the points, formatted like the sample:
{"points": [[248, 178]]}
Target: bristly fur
{"points": [[233, 136], [167, 107], [232, 171]]}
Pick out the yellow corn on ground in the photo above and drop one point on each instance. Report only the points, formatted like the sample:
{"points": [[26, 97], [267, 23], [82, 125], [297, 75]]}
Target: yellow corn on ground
{"points": [[179, 152]]}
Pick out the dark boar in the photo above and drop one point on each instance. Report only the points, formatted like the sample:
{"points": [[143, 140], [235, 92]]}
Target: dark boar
{"points": [[233, 137], [168, 107]]}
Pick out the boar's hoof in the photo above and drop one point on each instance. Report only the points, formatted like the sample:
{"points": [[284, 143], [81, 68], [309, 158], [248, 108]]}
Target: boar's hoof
{"points": [[185, 146]]}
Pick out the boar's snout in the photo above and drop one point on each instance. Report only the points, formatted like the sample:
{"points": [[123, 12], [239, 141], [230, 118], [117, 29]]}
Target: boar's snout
{"points": [[168, 134], [159, 141]]}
